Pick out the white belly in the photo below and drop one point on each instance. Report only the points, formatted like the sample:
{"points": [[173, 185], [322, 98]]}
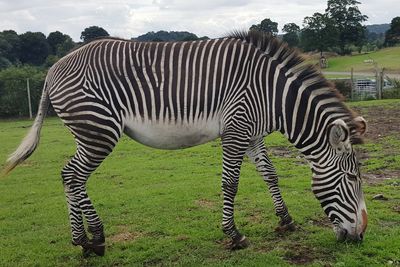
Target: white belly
{"points": [[173, 135]]}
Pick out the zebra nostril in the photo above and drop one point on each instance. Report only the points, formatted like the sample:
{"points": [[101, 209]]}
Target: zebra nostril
{"points": [[361, 236]]}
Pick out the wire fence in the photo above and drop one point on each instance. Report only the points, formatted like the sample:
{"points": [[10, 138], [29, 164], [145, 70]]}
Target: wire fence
{"points": [[359, 87]]}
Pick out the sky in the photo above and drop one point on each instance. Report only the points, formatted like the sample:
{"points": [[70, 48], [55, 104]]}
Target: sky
{"points": [[131, 18]]}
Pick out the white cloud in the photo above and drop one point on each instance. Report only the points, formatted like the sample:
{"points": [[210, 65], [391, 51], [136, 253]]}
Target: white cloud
{"points": [[129, 18]]}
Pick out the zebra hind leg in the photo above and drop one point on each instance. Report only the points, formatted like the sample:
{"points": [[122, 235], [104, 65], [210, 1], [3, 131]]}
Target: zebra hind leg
{"points": [[75, 175], [258, 155]]}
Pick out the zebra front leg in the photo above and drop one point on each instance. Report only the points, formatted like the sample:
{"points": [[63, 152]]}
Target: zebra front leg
{"points": [[258, 155], [233, 152]]}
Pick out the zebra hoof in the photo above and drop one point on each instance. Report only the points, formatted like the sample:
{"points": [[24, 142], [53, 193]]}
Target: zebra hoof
{"points": [[239, 243], [89, 248], [86, 252], [100, 249], [290, 227]]}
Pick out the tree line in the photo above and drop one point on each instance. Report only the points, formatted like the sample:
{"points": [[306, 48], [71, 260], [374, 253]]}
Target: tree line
{"points": [[28, 56], [34, 48], [340, 29]]}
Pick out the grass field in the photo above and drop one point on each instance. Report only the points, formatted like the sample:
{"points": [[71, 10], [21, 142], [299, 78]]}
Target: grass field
{"points": [[388, 58], [164, 207]]}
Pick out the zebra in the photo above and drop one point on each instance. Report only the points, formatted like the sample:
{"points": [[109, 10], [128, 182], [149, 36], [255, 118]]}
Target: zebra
{"points": [[174, 95]]}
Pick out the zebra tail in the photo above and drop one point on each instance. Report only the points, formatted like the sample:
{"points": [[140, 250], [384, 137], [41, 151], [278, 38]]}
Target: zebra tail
{"points": [[31, 140]]}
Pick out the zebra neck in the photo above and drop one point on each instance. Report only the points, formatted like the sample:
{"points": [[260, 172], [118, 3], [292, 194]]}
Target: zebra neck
{"points": [[307, 110]]}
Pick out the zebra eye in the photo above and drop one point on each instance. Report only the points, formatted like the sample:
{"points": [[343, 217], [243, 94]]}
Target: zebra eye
{"points": [[352, 177]]}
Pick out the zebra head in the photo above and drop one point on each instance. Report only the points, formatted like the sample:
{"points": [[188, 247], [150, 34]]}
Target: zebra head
{"points": [[337, 182]]}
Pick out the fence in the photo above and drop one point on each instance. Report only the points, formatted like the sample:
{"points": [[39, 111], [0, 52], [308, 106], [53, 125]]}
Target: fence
{"points": [[365, 87]]}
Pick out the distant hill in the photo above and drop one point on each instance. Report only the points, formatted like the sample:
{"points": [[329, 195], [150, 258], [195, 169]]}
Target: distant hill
{"points": [[378, 28], [164, 36]]}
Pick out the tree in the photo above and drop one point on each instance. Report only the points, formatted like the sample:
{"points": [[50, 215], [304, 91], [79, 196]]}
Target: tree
{"points": [[65, 47], [318, 33], [55, 39], [392, 36], [34, 48], [60, 43], [93, 32], [291, 35], [4, 53], [347, 19], [164, 36], [266, 25], [10, 45]]}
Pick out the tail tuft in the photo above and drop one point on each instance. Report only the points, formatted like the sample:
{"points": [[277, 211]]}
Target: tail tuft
{"points": [[31, 140], [25, 149]]}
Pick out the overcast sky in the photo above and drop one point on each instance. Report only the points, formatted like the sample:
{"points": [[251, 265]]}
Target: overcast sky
{"points": [[130, 18]]}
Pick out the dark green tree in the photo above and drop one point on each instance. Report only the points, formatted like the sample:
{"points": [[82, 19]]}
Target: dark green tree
{"points": [[65, 47], [392, 36], [93, 32], [60, 43], [266, 25], [348, 20], [291, 36], [4, 63], [5, 47], [164, 36], [55, 39], [318, 33], [10, 46], [34, 48]]}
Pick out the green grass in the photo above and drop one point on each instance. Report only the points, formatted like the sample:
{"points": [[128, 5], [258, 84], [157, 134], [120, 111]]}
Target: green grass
{"points": [[388, 58], [164, 207]]}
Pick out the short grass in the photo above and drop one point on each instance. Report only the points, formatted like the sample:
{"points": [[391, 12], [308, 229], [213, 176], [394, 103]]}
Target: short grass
{"points": [[164, 207], [388, 58]]}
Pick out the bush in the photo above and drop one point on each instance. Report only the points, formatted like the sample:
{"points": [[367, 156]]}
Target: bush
{"points": [[344, 87], [393, 92], [13, 93]]}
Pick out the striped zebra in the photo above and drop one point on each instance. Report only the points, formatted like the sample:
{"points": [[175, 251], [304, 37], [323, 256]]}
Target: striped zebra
{"points": [[180, 94]]}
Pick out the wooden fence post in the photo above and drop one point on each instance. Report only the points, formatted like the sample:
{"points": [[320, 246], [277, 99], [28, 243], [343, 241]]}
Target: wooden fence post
{"points": [[352, 84], [29, 98]]}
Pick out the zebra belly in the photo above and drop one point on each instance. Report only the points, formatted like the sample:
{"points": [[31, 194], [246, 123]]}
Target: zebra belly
{"points": [[166, 135]]}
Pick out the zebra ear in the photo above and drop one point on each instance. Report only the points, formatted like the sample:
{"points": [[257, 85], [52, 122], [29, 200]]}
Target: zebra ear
{"points": [[362, 125], [339, 134]]}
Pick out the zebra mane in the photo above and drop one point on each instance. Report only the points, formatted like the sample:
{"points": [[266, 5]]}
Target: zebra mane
{"points": [[280, 51]]}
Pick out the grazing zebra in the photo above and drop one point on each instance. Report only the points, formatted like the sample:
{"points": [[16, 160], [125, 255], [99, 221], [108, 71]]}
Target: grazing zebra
{"points": [[180, 94]]}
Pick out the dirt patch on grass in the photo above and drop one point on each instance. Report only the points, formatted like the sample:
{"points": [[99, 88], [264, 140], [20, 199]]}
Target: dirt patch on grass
{"points": [[387, 224], [299, 254], [383, 126], [396, 208], [374, 178], [287, 152], [182, 237], [382, 121], [321, 222], [205, 203], [124, 235], [255, 217], [224, 243], [281, 151], [299, 257]]}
